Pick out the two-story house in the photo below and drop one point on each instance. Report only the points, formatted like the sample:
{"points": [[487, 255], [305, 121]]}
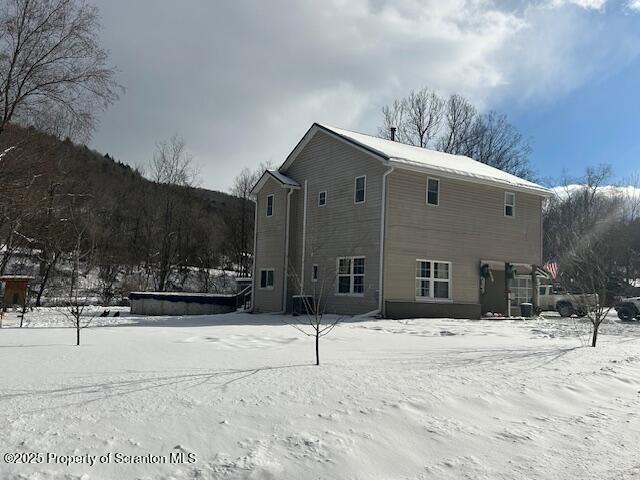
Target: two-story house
{"points": [[369, 224]]}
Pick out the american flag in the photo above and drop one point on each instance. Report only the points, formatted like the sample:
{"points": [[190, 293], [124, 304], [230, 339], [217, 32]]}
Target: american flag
{"points": [[552, 268]]}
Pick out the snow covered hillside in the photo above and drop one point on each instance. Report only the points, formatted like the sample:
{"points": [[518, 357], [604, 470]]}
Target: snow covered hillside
{"points": [[418, 399]]}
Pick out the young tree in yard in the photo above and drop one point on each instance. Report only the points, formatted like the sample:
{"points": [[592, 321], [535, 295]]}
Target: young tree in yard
{"points": [[588, 268], [583, 226], [51, 61], [77, 302], [316, 322], [316, 290]]}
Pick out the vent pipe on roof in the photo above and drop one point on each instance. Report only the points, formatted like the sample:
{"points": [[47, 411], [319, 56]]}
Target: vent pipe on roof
{"points": [[393, 134]]}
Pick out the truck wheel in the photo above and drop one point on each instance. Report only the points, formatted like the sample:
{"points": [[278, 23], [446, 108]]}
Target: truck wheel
{"points": [[564, 309], [625, 314]]}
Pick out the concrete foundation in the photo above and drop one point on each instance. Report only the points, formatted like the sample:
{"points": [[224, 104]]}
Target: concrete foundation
{"points": [[401, 309]]}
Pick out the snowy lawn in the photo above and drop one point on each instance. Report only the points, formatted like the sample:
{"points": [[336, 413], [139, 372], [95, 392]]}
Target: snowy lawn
{"points": [[411, 399]]}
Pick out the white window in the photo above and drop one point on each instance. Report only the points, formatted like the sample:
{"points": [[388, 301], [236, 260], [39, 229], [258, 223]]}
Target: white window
{"points": [[322, 198], [270, 205], [509, 204], [433, 191], [433, 280], [314, 273], [351, 275], [266, 278], [360, 189]]}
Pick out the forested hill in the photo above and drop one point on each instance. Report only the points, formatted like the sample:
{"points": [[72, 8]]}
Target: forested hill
{"points": [[52, 192], [97, 172]]}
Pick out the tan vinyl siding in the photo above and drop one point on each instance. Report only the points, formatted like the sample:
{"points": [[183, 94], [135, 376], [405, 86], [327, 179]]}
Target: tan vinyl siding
{"points": [[341, 228], [468, 225], [270, 246]]}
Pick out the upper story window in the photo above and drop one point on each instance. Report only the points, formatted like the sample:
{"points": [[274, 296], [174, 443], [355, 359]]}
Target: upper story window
{"points": [[360, 189], [351, 275], [433, 191], [433, 280], [322, 198], [270, 205], [509, 204]]}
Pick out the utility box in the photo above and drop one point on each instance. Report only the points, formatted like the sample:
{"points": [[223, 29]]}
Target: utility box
{"points": [[526, 309], [302, 305]]}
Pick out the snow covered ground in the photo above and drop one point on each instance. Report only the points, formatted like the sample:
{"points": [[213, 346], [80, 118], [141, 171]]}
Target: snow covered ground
{"points": [[417, 399]]}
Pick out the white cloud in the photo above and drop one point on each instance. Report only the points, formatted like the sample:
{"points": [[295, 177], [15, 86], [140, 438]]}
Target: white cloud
{"points": [[243, 80], [588, 4], [634, 5]]}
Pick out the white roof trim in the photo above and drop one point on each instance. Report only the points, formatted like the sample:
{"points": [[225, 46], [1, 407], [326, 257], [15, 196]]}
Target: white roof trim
{"points": [[407, 157], [284, 181]]}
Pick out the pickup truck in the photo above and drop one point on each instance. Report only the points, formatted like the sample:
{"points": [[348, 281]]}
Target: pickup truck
{"points": [[566, 304]]}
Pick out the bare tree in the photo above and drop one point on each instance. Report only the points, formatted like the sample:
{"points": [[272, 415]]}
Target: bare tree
{"points": [[316, 322], [587, 268], [418, 118], [240, 222], [575, 208], [172, 165], [393, 116], [77, 301], [424, 119], [584, 230], [457, 137], [498, 143], [50, 60]]}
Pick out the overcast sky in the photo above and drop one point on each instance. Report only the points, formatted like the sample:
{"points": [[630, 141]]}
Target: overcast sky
{"points": [[242, 81]]}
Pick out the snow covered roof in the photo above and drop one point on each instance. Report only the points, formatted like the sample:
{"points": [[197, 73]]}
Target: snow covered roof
{"points": [[409, 157], [279, 177]]}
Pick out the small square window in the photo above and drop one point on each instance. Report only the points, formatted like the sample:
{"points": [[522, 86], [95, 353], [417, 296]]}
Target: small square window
{"points": [[322, 199], [266, 279], [270, 205], [509, 204], [433, 191], [360, 189]]}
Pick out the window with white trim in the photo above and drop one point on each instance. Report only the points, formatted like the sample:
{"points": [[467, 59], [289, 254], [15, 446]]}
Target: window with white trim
{"points": [[266, 278], [360, 192], [433, 280], [433, 191], [314, 272], [350, 276], [509, 204], [322, 198], [270, 205]]}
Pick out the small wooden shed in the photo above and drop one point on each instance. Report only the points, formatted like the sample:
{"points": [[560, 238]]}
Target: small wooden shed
{"points": [[15, 290]]}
